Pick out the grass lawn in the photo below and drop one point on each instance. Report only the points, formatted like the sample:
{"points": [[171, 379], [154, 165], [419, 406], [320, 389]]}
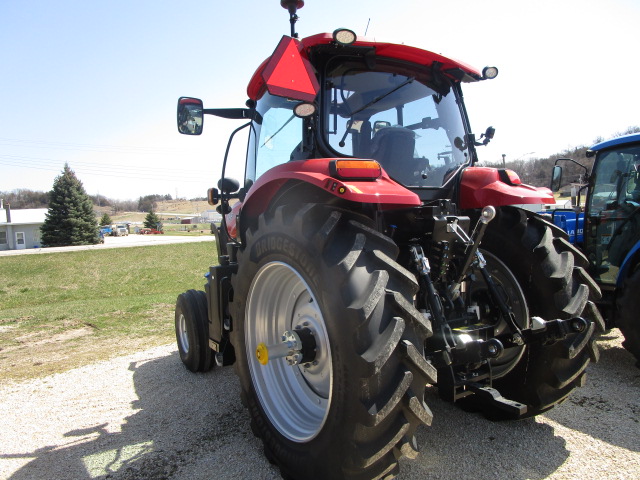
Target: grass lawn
{"points": [[62, 310]]}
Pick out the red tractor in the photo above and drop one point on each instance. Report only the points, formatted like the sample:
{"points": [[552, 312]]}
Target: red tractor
{"points": [[366, 258]]}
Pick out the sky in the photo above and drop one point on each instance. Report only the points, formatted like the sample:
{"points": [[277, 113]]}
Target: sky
{"points": [[95, 83]]}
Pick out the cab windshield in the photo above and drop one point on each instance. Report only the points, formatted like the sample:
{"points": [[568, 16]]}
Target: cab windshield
{"points": [[395, 116], [613, 206], [616, 180], [276, 138]]}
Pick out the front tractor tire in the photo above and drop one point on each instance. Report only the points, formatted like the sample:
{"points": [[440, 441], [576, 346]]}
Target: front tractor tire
{"points": [[350, 408], [192, 331], [551, 274]]}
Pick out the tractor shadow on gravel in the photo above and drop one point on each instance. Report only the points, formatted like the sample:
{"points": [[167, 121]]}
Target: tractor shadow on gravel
{"points": [[192, 426], [466, 445], [610, 394], [184, 425]]}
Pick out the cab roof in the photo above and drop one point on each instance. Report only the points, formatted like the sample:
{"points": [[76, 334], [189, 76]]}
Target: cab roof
{"points": [[614, 142], [456, 70]]}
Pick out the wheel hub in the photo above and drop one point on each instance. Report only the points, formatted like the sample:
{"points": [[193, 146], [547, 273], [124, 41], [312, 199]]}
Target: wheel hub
{"points": [[288, 350], [298, 346], [183, 336]]}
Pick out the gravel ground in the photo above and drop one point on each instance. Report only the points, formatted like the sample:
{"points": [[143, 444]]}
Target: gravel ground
{"points": [[144, 416]]}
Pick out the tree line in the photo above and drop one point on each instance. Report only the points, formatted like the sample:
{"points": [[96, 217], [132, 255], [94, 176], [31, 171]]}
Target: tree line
{"points": [[26, 198], [537, 171], [70, 218]]}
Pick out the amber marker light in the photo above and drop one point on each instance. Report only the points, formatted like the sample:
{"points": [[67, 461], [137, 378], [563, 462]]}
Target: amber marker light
{"points": [[355, 169]]}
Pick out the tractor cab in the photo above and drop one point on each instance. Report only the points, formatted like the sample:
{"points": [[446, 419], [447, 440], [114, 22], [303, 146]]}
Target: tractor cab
{"points": [[612, 214], [338, 96], [394, 104]]}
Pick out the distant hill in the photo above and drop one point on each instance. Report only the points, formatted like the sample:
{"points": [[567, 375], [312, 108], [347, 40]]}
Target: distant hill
{"points": [[182, 207], [537, 171], [24, 198]]}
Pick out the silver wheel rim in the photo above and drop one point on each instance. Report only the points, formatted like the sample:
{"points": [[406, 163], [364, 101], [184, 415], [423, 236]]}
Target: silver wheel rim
{"points": [[295, 398], [183, 337]]}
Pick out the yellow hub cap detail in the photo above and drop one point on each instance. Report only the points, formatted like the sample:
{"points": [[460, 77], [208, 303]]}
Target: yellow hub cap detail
{"points": [[262, 354]]}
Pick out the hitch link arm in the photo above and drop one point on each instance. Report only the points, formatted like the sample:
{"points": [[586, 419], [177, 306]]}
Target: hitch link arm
{"points": [[552, 331], [473, 243], [474, 255], [424, 269], [431, 298], [505, 310]]}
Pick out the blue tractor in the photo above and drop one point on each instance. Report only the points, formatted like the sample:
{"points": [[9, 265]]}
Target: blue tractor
{"points": [[608, 231]]}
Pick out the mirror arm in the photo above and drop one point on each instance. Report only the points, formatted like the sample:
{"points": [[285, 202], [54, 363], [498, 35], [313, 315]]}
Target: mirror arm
{"points": [[234, 113], [586, 170], [224, 197]]}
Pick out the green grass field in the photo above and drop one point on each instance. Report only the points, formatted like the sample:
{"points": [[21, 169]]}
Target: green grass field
{"points": [[62, 310]]}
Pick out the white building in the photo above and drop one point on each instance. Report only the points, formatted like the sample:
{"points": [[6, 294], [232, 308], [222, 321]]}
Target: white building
{"points": [[20, 228]]}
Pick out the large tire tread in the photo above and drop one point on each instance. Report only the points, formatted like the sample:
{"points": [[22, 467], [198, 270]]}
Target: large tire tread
{"points": [[547, 267], [381, 324]]}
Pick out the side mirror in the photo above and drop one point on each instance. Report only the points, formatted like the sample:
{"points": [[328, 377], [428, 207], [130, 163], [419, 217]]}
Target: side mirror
{"points": [[488, 136], [490, 133], [190, 115], [556, 178]]}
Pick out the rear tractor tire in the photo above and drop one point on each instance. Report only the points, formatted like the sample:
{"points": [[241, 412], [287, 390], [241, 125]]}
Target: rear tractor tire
{"points": [[551, 275], [628, 306], [192, 331], [349, 409]]}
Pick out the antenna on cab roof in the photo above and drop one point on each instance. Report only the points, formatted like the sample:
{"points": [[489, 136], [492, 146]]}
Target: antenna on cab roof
{"points": [[292, 6]]}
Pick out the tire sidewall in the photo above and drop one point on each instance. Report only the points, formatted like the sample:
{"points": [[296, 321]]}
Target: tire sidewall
{"points": [[193, 305], [517, 239], [272, 246], [190, 357]]}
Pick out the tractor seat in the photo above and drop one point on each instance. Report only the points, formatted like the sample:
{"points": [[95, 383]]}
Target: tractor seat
{"points": [[394, 148]]}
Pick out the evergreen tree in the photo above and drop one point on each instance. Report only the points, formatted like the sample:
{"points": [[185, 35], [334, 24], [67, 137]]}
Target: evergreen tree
{"points": [[105, 220], [152, 221], [70, 219]]}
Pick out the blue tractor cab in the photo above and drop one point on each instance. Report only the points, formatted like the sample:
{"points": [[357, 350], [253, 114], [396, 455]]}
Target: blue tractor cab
{"points": [[611, 230]]}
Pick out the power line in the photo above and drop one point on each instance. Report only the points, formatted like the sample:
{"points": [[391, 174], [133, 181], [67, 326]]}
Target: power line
{"points": [[108, 167], [109, 171], [89, 147]]}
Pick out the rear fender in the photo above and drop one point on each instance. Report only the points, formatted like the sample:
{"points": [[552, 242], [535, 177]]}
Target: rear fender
{"points": [[482, 186], [382, 191]]}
